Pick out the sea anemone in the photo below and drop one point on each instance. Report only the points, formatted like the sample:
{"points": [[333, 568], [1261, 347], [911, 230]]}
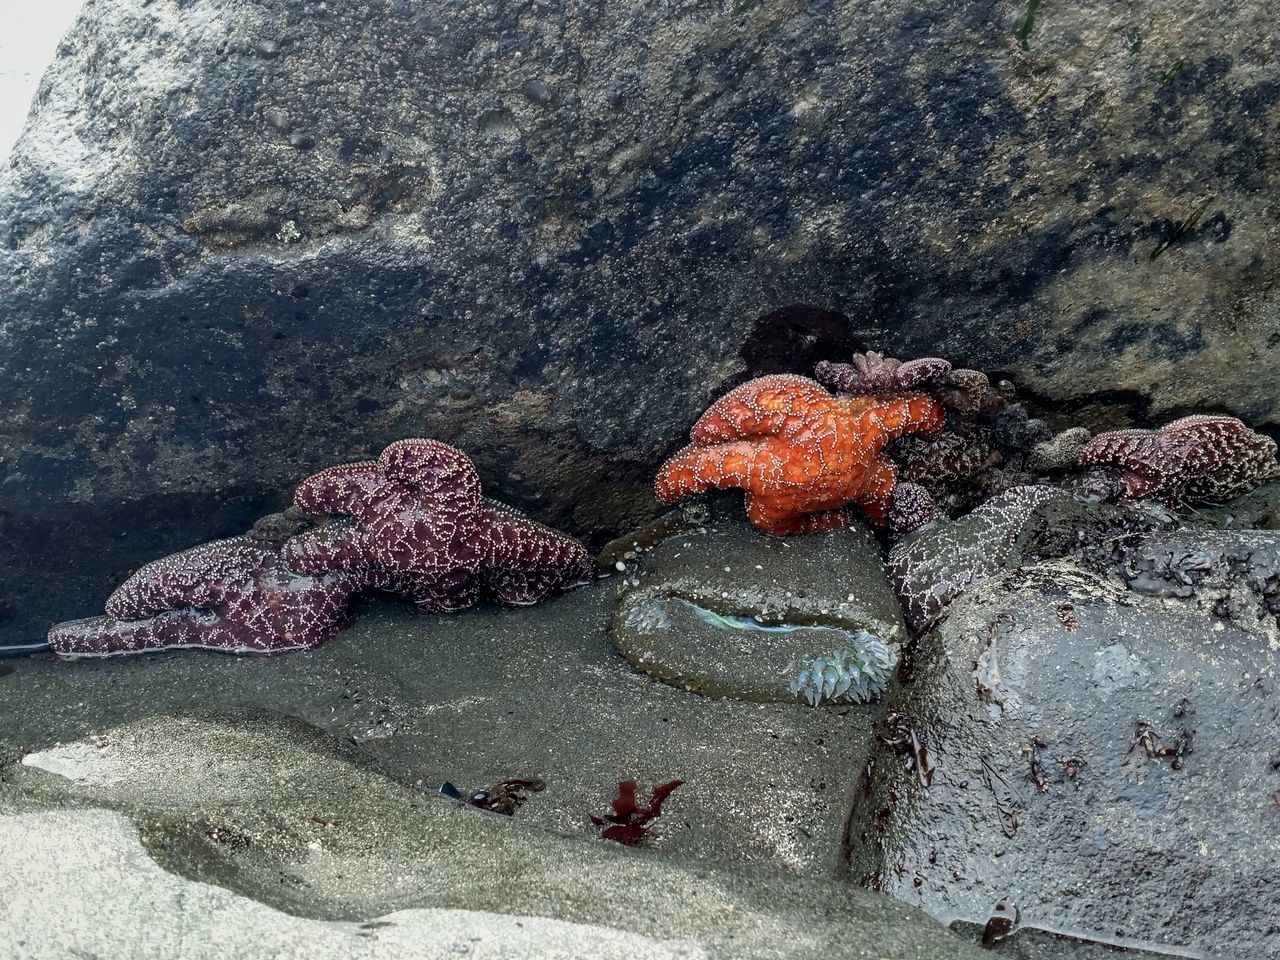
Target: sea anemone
{"points": [[856, 673]]}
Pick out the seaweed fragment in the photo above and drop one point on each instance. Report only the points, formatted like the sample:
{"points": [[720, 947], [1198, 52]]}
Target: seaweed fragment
{"points": [[1150, 743], [1181, 227], [1036, 774], [504, 797], [1171, 73], [901, 735], [1028, 24], [630, 822], [1008, 800]]}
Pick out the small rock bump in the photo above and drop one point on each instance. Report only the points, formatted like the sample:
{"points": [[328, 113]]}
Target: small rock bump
{"points": [[537, 91], [277, 120]]}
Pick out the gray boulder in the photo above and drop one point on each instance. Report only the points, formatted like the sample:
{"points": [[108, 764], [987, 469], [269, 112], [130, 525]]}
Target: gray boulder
{"points": [[240, 241], [1102, 754]]}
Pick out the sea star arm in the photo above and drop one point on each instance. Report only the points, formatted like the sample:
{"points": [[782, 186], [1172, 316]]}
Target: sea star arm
{"points": [[741, 464], [349, 489], [432, 469], [516, 542], [527, 561], [199, 577], [777, 404], [332, 546], [767, 516], [444, 592], [267, 610], [875, 492], [104, 636], [888, 418], [1148, 466]]}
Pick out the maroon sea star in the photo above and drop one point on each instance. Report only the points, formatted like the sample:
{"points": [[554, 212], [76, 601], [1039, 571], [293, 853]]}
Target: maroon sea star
{"points": [[232, 595], [1200, 458], [417, 514], [912, 508]]}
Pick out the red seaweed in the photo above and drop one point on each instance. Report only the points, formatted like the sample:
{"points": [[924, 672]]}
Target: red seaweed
{"points": [[630, 821]]}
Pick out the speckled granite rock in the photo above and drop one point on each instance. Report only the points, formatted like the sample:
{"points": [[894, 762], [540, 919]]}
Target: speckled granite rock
{"points": [[262, 816], [1104, 756], [722, 610], [240, 241]]}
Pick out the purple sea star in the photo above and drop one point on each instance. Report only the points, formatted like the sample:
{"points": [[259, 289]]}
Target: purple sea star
{"points": [[913, 507], [231, 595], [873, 372], [416, 514], [1206, 459]]}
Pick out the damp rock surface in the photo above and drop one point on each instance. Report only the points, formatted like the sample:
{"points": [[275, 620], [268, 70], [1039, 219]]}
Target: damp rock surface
{"points": [[327, 857], [240, 241], [1103, 756], [722, 610], [490, 694]]}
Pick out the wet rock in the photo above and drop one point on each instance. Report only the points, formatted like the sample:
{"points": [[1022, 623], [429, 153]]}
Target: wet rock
{"points": [[1100, 756], [1229, 575], [263, 838], [1258, 508], [487, 695], [723, 610], [194, 315]]}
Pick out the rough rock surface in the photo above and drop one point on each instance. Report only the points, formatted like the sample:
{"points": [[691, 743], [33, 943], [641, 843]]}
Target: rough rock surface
{"points": [[240, 241], [713, 610], [480, 697], [327, 838], [1102, 753]]}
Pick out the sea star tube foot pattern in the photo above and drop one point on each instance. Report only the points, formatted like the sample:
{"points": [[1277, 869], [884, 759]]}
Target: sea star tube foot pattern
{"points": [[800, 454], [872, 372], [234, 595], [1202, 459], [416, 514]]}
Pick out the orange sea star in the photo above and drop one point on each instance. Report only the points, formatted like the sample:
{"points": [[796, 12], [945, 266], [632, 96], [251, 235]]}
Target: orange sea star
{"points": [[800, 454]]}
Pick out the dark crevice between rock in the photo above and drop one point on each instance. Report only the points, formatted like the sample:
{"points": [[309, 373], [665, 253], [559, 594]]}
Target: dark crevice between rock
{"points": [[44, 580], [1116, 409], [793, 339]]}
